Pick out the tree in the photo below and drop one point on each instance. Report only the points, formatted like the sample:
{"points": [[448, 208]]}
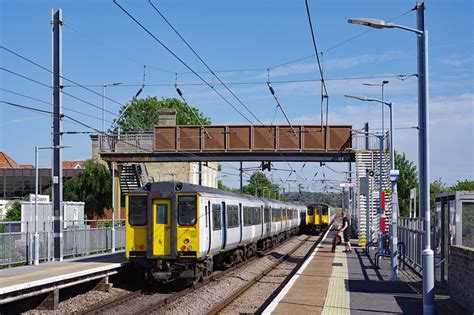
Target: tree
{"points": [[408, 180], [142, 114], [14, 213], [261, 186], [466, 185], [94, 188]]}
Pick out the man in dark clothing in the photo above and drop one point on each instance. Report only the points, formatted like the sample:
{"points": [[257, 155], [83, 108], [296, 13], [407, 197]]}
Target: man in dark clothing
{"points": [[345, 230]]}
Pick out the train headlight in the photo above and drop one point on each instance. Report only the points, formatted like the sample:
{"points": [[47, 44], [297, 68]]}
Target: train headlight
{"points": [[190, 248], [186, 240]]}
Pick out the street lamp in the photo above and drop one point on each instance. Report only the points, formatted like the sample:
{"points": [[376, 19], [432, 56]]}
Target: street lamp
{"points": [[423, 143], [36, 235], [393, 179], [104, 86], [382, 86]]}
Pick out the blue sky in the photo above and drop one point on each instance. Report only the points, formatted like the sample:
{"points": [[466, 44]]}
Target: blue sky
{"points": [[102, 45]]}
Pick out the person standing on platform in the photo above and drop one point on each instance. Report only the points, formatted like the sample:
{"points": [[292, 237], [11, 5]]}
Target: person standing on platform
{"points": [[345, 230]]}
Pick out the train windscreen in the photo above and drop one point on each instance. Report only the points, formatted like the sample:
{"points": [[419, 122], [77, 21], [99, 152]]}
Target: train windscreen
{"points": [[187, 210], [310, 211], [137, 210], [324, 210]]}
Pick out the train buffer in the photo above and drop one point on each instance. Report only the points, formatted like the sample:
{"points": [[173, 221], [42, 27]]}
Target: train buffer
{"points": [[28, 281], [345, 283]]}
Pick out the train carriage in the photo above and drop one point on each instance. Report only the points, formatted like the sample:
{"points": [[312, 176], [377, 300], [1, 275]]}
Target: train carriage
{"points": [[181, 230], [318, 217]]}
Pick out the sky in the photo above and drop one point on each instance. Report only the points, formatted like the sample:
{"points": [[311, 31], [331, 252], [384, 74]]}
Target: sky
{"points": [[101, 45]]}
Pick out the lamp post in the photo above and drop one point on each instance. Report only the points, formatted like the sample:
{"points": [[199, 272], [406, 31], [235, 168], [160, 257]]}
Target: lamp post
{"points": [[36, 235], [382, 86], [394, 176], [104, 86], [423, 143]]}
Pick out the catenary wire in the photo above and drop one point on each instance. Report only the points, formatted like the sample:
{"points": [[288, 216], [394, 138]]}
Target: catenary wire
{"points": [[205, 63], [48, 86], [182, 61], [49, 103]]}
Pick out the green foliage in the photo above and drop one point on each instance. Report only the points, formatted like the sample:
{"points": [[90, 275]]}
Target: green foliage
{"points": [[261, 186], [408, 180], [14, 213], [94, 187], [142, 114], [466, 185]]}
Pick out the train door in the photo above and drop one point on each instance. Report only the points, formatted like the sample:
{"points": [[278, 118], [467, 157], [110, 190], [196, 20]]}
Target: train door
{"points": [[262, 216], [268, 220], [161, 227], [224, 224]]}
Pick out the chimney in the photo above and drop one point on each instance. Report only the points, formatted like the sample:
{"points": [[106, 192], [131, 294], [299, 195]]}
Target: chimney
{"points": [[167, 117]]}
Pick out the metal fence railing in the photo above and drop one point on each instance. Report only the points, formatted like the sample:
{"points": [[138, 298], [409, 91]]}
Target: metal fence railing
{"points": [[411, 232], [363, 142], [140, 142], [80, 238]]}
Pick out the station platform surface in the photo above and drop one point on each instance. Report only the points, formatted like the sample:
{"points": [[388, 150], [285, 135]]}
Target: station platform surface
{"points": [[31, 277], [348, 283]]}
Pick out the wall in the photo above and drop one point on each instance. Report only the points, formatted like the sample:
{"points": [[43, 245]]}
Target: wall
{"points": [[461, 276]]}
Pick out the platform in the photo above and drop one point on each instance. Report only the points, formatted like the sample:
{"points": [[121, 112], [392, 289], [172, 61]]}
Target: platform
{"points": [[26, 281], [345, 283]]}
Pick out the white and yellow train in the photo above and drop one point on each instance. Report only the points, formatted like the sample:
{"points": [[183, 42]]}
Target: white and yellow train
{"points": [[184, 231]]}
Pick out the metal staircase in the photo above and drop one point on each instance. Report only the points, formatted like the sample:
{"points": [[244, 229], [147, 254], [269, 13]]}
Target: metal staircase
{"points": [[368, 162], [133, 176]]}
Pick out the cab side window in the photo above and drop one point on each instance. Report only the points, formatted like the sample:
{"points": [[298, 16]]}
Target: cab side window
{"points": [[216, 217]]}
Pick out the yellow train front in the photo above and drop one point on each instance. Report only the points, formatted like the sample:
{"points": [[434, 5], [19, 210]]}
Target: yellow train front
{"points": [[318, 217], [181, 231]]}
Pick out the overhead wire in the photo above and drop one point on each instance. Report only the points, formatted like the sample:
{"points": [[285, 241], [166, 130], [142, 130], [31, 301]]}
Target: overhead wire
{"points": [[49, 103], [49, 87], [204, 63], [272, 91], [181, 60]]}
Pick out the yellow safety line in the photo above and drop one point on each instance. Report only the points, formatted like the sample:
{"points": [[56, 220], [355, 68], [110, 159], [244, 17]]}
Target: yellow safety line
{"points": [[337, 297]]}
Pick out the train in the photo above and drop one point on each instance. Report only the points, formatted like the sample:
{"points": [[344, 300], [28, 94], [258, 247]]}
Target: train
{"points": [[183, 231], [318, 218]]}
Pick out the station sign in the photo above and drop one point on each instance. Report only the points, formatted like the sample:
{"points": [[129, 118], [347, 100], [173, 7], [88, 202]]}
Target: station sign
{"points": [[347, 185]]}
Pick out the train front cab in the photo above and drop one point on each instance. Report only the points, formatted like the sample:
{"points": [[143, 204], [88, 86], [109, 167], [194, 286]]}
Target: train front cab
{"points": [[325, 216], [167, 240]]}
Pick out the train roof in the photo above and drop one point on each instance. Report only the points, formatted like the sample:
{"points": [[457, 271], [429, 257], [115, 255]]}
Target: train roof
{"points": [[318, 204], [191, 188]]}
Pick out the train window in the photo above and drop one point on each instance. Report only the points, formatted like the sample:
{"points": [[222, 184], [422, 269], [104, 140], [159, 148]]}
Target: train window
{"points": [[310, 211], [161, 213], [216, 217], [232, 216], [266, 214], [276, 214], [187, 212], [258, 216], [324, 211], [137, 210], [247, 216]]}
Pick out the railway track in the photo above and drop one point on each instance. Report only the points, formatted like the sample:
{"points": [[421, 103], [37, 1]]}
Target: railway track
{"points": [[225, 304], [164, 299]]}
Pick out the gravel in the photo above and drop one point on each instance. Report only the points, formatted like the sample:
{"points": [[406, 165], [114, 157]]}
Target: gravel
{"points": [[205, 298], [81, 302]]}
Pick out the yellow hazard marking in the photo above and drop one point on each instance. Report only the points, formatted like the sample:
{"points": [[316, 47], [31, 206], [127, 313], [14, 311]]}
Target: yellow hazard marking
{"points": [[337, 296]]}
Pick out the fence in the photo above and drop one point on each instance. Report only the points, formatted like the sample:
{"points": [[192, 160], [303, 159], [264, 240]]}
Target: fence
{"points": [[80, 238], [126, 142], [411, 232]]}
